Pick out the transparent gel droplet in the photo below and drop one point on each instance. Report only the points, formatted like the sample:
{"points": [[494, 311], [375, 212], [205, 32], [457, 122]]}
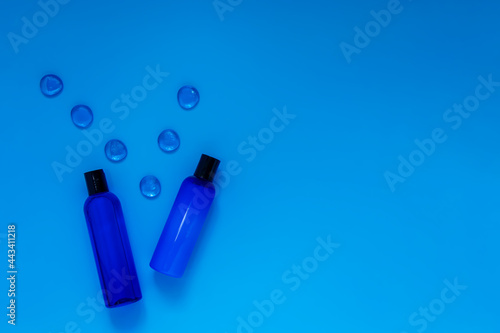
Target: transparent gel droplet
{"points": [[168, 140], [188, 97], [150, 186], [82, 116], [51, 85], [115, 150]]}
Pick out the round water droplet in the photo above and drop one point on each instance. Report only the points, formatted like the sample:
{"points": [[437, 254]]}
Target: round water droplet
{"points": [[51, 85], [115, 150], [188, 97], [82, 116], [168, 140], [150, 186]]}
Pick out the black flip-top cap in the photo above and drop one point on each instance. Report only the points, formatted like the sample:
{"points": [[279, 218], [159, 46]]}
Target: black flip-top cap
{"points": [[96, 182], [207, 167]]}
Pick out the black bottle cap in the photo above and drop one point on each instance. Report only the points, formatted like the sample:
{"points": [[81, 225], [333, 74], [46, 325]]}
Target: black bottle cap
{"points": [[96, 182], [207, 167]]}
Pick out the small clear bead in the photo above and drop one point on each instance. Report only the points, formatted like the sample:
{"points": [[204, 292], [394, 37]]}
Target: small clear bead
{"points": [[150, 186], [82, 116], [168, 141], [115, 150], [51, 85], [188, 97]]}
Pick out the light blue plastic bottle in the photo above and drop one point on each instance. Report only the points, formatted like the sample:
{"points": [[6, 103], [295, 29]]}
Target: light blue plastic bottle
{"points": [[186, 219]]}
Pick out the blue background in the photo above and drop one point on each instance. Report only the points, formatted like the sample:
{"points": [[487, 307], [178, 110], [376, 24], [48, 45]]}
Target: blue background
{"points": [[322, 175]]}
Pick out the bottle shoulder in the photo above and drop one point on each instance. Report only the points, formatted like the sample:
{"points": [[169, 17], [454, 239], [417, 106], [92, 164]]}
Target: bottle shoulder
{"points": [[103, 195], [195, 181]]}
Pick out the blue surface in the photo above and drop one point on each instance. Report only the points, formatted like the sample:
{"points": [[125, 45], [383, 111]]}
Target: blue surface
{"points": [[320, 170]]}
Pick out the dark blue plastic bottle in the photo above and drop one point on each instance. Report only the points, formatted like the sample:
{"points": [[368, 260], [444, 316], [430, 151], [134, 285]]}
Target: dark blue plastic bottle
{"points": [[108, 235], [186, 218]]}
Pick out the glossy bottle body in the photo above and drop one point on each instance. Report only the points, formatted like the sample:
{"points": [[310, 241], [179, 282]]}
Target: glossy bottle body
{"points": [[112, 252], [183, 226]]}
